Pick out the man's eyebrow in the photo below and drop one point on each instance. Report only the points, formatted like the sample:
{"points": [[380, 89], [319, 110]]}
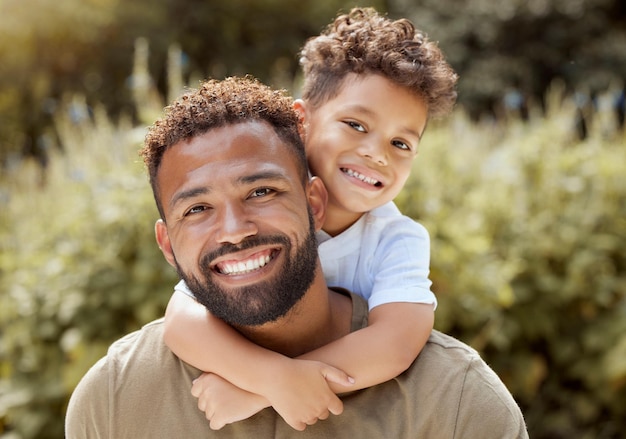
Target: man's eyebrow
{"points": [[189, 193], [263, 175], [246, 179]]}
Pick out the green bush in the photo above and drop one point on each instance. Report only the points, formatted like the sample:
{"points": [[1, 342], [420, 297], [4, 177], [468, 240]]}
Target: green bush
{"points": [[79, 267], [528, 229]]}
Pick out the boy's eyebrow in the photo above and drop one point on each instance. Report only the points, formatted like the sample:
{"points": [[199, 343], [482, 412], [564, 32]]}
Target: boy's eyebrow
{"points": [[368, 112], [245, 179], [413, 132]]}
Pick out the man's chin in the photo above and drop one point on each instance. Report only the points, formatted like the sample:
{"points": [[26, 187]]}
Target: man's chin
{"points": [[248, 304], [262, 296]]}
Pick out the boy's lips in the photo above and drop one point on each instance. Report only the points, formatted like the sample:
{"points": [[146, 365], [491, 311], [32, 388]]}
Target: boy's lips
{"points": [[368, 179], [232, 266]]}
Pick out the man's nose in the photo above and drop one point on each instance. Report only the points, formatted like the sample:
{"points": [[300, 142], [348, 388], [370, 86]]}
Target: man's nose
{"points": [[234, 224], [375, 150]]}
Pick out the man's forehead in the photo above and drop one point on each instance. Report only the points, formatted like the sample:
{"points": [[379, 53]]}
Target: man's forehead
{"points": [[231, 144], [238, 153]]}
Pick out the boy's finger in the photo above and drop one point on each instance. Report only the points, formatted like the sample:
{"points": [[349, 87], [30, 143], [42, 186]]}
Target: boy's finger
{"points": [[336, 406], [196, 389], [337, 376], [323, 416]]}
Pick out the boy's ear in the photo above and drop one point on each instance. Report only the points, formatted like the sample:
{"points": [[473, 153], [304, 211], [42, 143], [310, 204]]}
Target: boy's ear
{"points": [[163, 239], [300, 108], [317, 197]]}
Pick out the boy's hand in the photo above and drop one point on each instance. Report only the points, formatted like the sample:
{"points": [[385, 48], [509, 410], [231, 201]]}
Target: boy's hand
{"points": [[300, 392], [222, 402]]}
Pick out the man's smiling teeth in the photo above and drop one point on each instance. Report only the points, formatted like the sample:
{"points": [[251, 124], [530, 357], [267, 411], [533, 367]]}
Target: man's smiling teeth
{"points": [[361, 177], [243, 267]]}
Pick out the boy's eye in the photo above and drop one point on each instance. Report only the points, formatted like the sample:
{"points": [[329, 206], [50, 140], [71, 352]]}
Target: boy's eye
{"points": [[357, 126], [401, 145]]}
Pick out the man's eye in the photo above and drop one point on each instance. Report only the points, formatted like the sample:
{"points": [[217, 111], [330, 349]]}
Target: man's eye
{"points": [[357, 126], [261, 192], [195, 209]]}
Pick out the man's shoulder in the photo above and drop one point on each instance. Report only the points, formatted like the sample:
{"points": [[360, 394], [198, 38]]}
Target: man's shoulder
{"points": [[137, 368], [145, 339], [447, 352], [448, 391], [466, 381], [444, 341], [445, 359], [135, 355]]}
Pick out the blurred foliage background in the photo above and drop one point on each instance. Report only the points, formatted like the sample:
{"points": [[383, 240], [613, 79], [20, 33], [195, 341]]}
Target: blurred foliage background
{"points": [[522, 188]]}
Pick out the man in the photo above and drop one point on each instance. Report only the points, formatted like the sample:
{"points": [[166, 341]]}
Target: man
{"points": [[229, 176]]}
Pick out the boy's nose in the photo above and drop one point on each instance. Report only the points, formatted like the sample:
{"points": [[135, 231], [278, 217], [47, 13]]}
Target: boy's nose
{"points": [[375, 151]]}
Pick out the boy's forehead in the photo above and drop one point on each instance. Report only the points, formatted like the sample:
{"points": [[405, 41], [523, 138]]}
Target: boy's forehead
{"points": [[357, 80], [358, 89]]}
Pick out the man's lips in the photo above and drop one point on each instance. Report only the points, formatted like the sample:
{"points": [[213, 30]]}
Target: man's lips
{"points": [[247, 264], [362, 177]]}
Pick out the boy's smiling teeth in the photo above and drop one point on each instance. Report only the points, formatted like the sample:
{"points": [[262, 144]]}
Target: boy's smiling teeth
{"points": [[242, 267], [361, 177]]}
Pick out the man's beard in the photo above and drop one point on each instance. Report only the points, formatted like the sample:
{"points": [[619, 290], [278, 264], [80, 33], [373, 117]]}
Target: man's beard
{"points": [[262, 302]]}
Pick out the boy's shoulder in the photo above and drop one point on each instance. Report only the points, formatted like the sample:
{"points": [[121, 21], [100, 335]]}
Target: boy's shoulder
{"points": [[388, 218], [387, 210], [379, 230]]}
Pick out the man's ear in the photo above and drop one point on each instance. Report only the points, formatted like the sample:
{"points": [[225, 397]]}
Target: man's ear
{"points": [[317, 197], [163, 239]]}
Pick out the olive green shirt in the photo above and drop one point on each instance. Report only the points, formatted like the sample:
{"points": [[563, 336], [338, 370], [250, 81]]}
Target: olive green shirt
{"points": [[142, 390]]}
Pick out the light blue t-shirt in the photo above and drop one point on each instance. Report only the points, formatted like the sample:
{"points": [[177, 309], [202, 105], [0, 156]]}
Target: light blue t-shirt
{"points": [[384, 257]]}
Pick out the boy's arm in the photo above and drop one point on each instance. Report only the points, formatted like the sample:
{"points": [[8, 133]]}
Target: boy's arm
{"points": [[223, 403], [298, 390], [395, 280], [395, 335]]}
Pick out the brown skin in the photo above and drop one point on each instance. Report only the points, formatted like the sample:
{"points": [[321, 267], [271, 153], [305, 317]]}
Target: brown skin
{"points": [[219, 188], [199, 217], [371, 126]]}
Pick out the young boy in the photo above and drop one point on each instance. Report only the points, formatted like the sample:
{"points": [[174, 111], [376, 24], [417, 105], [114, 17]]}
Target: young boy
{"points": [[370, 86]]}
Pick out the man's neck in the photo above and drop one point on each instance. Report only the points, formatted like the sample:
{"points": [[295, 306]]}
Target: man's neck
{"points": [[320, 317]]}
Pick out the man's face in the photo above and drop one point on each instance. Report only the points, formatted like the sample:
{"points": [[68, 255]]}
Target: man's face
{"points": [[237, 224]]}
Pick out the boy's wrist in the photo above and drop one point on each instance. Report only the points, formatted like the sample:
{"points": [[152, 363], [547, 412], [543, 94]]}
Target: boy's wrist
{"points": [[281, 375], [267, 379]]}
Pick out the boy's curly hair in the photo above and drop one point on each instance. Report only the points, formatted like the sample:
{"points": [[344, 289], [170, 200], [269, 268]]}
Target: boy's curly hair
{"points": [[364, 42], [216, 104]]}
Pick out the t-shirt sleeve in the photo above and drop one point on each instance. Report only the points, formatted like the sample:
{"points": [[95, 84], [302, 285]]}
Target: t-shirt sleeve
{"points": [[486, 407], [87, 413], [402, 266]]}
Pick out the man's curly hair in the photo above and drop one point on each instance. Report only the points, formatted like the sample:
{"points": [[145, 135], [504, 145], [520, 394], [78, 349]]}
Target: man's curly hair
{"points": [[216, 104], [364, 42]]}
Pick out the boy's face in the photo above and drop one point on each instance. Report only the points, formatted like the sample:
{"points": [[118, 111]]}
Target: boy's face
{"points": [[362, 143]]}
